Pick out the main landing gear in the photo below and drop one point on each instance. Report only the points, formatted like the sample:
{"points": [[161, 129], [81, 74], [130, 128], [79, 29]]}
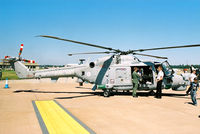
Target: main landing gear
{"points": [[107, 92]]}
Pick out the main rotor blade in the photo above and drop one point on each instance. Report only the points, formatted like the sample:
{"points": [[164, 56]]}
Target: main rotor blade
{"points": [[150, 56], [78, 42], [107, 52], [159, 48]]}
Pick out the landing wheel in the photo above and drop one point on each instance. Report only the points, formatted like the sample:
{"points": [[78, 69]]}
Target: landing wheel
{"points": [[152, 93], [80, 83], [106, 93]]}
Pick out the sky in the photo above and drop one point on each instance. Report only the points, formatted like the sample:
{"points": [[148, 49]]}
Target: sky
{"points": [[120, 24]]}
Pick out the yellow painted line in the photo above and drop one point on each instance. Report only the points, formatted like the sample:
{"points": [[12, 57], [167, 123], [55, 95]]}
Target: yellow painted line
{"points": [[57, 120]]}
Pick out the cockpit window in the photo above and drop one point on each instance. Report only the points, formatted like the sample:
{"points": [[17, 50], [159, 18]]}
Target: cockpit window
{"points": [[167, 69]]}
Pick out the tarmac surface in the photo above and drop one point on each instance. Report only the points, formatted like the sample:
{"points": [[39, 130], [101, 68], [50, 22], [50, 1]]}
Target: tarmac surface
{"points": [[118, 114]]}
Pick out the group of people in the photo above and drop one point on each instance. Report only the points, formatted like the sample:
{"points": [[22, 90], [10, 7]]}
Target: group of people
{"points": [[192, 90], [194, 84], [159, 79]]}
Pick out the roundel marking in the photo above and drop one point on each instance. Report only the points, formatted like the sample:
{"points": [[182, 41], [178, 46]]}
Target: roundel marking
{"points": [[88, 74]]}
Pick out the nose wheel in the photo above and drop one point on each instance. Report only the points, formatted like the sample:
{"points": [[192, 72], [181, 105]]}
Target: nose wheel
{"points": [[106, 93], [80, 83]]}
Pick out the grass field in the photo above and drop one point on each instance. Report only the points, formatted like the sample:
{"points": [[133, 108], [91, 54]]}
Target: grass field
{"points": [[11, 75]]}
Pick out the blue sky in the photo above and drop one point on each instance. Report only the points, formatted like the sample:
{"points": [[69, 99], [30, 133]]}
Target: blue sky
{"points": [[123, 24]]}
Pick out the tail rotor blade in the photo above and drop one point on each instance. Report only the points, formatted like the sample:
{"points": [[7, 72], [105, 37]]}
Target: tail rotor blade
{"points": [[32, 61], [25, 60], [21, 49], [29, 61], [6, 57]]}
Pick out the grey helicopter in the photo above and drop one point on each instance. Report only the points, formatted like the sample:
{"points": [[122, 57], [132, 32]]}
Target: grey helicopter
{"points": [[111, 73]]}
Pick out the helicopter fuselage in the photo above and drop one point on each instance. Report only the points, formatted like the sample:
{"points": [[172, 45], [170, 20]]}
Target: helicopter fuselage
{"points": [[112, 73], [115, 73]]}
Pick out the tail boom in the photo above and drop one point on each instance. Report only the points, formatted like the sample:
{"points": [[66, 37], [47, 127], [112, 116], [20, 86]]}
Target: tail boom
{"points": [[24, 73]]}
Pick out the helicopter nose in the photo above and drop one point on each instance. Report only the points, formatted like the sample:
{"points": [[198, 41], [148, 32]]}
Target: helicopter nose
{"points": [[179, 84]]}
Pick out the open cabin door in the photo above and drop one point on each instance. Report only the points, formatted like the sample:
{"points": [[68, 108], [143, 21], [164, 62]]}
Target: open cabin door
{"points": [[147, 76]]}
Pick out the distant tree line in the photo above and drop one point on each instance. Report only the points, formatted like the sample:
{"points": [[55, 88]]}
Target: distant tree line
{"points": [[185, 66]]}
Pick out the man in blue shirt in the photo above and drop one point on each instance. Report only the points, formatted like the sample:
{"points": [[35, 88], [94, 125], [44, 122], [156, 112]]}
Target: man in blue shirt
{"points": [[193, 92]]}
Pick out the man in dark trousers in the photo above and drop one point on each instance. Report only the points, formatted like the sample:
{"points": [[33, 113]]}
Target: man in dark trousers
{"points": [[191, 79], [0, 73], [159, 80], [135, 80], [193, 92]]}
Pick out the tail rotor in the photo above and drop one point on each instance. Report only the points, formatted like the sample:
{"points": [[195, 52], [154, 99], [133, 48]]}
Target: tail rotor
{"points": [[19, 58]]}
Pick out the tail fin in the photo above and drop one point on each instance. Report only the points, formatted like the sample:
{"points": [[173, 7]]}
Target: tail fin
{"points": [[22, 71]]}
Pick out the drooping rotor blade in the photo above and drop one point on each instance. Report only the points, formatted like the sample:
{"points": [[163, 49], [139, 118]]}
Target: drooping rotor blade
{"points": [[78, 42], [159, 48], [159, 57], [107, 52], [21, 49]]}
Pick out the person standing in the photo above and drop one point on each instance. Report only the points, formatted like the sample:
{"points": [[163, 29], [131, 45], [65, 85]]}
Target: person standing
{"points": [[159, 80], [191, 79], [0, 73], [193, 92], [135, 80]]}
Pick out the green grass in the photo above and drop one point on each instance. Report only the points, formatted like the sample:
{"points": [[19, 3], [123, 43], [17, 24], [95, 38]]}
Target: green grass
{"points": [[11, 75]]}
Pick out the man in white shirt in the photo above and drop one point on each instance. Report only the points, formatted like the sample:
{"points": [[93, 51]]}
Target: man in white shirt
{"points": [[191, 79], [192, 76], [159, 80]]}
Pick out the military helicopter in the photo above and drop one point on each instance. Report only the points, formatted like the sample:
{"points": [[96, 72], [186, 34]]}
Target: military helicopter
{"points": [[111, 73]]}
